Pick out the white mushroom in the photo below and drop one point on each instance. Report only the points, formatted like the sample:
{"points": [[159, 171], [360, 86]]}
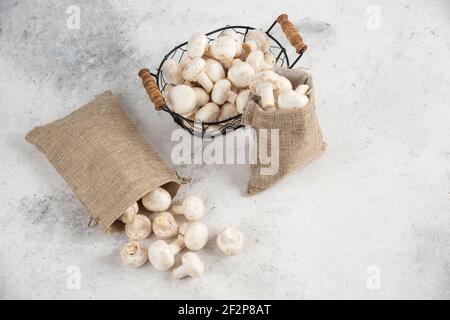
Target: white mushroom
{"points": [[263, 85], [269, 60], [162, 255], [158, 200], [140, 228], [256, 60], [302, 89], [197, 44], [240, 74], [191, 266], [214, 70], [284, 84], [291, 99], [133, 254], [182, 99], [165, 226], [202, 96], [247, 47], [130, 213], [186, 59], [232, 34], [207, 113], [166, 95], [222, 93], [236, 62], [260, 38], [241, 100], [223, 49], [194, 71], [227, 111], [192, 208], [173, 72], [195, 235], [230, 241]]}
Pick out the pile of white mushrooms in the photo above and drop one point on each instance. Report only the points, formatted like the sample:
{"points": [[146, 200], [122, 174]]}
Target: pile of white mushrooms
{"points": [[213, 82], [171, 238]]}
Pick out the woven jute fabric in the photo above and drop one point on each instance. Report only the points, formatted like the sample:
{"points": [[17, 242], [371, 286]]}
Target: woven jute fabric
{"points": [[103, 158], [300, 138]]}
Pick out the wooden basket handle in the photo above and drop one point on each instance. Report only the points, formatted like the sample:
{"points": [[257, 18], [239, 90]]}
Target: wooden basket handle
{"points": [[291, 33], [152, 88]]}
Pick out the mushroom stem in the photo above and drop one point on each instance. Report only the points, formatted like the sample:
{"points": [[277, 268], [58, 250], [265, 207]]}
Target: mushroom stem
{"points": [[176, 245], [180, 272], [266, 94], [191, 207], [178, 209], [205, 82]]}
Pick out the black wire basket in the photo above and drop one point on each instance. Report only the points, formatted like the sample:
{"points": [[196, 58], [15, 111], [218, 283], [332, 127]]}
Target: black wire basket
{"points": [[155, 87]]}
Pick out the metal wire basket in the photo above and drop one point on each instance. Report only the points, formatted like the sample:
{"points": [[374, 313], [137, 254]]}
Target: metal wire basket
{"points": [[155, 87]]}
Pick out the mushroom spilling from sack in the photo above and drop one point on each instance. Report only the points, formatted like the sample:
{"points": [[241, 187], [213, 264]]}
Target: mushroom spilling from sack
{"points": [[214, 80], [171, 236]]}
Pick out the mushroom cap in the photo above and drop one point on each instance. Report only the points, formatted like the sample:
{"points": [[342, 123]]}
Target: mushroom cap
{"points": [[230, 241], [241, 74], [197, 45], [291, 99], [284, 83], [165, 226], [133, 254], [302, 89], [183, 98], [202, 96], [260, 38], [227, 111], [220, 90], [160, 255], [236, 62], [130, 213], [193, 69], [158, 200], [173, 71], [232, 34], [166, 95], [195, 235], [214, 70], [241, 100], [256, 60], [193, 207], [223, 48], [185, 60], [264, 78], [207, 113], [194, 265], [140, 228]]}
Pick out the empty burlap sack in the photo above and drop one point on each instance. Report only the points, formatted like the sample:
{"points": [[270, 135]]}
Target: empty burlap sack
{"points": [[103, 158], [299, 134]]}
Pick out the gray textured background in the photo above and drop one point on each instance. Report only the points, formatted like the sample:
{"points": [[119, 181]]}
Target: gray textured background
{"points": [[379, 196]]}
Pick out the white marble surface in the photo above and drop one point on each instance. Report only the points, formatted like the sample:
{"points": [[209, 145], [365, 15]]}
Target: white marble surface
{"points": [[379, 196]]}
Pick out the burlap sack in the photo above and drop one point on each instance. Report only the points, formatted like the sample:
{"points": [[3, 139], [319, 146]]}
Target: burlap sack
{"points": [[300, 137], [103, 158]]}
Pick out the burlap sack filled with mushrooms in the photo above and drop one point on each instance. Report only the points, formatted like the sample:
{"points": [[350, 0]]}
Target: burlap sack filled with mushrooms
{"points": [[103, 158], [293, 133]]}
